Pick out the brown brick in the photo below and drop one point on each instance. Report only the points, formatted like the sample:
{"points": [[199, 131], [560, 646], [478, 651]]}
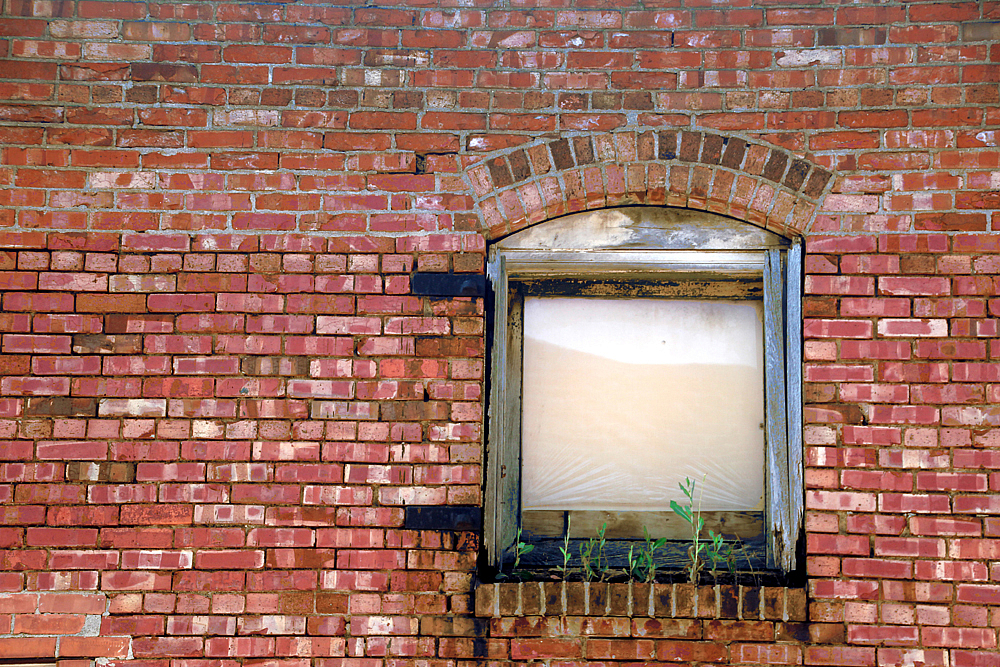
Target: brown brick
{"points": [[531, 598], [735, 150], [712, 151], [618, 599], [61, 406], [539, 160], [646, 146], [796, 175], [816, 183], [751, 602], [286, 366], [508, 598], [500, 172], [707, 602], [774, 603], [576, 602], [107, 344], [841, 36], [103, 471], [685, 600], [774, 169], [667, 149], [467, 262], [519, 165], [108, 303], [584, 150], [142, 95], [826, 633], [917, 263], [690, 146], [454, 626], [797, 603], [415, 410], [598, 598], [553, 598], [639, 101], [561, 156], [640, 599], [792, 632], [728, 601], [663, 600], [336, 603]]}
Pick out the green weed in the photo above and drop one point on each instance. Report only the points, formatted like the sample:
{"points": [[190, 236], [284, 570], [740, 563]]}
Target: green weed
{"points": [[564, 549], [691, 514], [595, 563], [521, 548]]}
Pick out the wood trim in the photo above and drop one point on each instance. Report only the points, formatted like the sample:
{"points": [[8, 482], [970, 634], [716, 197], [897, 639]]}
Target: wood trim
{"points": [[584, 524], [510, 455], [527, 264], [496, 416], [775, 401], [793, 381], [685, 287]]}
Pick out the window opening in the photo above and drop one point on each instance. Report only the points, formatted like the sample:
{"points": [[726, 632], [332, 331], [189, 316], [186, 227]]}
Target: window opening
{"points": [[634, 348]]}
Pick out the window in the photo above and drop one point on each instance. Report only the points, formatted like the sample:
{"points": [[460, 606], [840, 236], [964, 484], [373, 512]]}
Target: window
{"points": [[633, 348]]}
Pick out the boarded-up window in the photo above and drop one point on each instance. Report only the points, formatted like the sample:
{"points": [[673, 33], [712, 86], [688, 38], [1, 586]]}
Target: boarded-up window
{"points": [[633, 349], [625, 398]]}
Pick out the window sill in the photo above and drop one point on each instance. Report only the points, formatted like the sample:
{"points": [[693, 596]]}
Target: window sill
{"points": [[574, 598]]}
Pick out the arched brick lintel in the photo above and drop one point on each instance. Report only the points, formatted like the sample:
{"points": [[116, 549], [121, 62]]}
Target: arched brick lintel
{"points": [[763, 185]]}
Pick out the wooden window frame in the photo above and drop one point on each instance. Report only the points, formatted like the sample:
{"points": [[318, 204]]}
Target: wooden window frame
{"points": [[776, 268]]}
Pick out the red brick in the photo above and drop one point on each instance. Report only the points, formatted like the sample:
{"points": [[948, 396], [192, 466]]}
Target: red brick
{"points": [[28, 647]]}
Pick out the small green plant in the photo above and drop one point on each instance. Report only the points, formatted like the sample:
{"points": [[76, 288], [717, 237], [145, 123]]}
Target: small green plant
{"points": [[633, 567], [720, 553], [564, 549], [691, 514], [521, 548], [642, 566], [648, 555], [595, 563]]}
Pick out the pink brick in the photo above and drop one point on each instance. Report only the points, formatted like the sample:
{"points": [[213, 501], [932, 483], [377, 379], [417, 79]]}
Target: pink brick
{"points": [[913, 327], [840, 285]]}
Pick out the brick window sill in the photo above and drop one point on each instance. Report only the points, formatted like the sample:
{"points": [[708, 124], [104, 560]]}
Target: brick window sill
{"points": [[557, 598]]}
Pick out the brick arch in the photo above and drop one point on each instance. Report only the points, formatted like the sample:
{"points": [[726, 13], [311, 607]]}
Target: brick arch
{"points": [[763, 185]]}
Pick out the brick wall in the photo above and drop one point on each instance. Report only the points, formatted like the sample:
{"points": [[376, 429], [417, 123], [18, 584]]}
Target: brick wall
{"points": [[218, 394]]}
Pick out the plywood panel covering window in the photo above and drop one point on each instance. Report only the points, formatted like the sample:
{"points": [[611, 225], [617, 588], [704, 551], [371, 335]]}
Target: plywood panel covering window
{"points": [[633, 349]]}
